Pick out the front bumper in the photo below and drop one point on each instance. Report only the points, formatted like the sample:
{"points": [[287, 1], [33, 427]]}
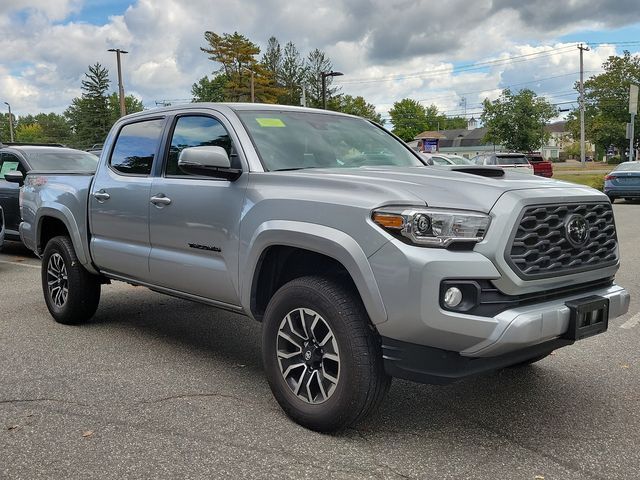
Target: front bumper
{"points": [[410, 279], [524, 333]]}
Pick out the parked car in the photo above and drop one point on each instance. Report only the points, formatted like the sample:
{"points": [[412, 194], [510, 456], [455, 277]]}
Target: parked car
{"points": [[445, 159], [360, 262], [623, 182], [511, 161], [1, 228], [541, 167], [17, 160]]}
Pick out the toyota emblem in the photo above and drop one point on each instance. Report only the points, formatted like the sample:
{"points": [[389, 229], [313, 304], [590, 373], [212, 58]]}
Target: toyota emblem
{"points": [[577, 230]]}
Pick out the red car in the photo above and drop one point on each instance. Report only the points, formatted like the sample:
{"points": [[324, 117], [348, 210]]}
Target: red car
{"points": [[541, 166]]}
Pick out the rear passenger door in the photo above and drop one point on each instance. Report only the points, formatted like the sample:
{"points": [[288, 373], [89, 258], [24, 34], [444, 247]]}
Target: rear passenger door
{"points": [[194, 227], [119, 201]]}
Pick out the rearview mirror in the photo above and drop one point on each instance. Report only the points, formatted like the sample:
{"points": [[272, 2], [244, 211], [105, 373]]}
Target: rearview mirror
{"points": [[208, 161], [14, 177]]}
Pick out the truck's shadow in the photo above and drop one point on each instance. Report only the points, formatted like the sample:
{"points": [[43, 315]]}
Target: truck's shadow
{"points": [[512, 400]]}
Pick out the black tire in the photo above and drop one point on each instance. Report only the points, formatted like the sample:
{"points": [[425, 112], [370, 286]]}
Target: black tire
{"points": [[612, 199], [83, 289], [361, 382], [531, 361]]}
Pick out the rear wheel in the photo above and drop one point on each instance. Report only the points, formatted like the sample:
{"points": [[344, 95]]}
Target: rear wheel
{"points": [[321, 354], [612, 199], [71, 293]]}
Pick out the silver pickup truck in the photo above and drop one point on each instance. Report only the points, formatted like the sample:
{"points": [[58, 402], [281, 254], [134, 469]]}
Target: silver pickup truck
{"points": [[361, 262]]}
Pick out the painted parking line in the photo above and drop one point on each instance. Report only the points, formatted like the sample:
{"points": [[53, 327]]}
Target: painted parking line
{"points": [[21, 263], [632, 322]]}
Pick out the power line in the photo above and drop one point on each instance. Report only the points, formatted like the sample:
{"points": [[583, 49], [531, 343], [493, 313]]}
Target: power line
{"points": [[461, 68]]}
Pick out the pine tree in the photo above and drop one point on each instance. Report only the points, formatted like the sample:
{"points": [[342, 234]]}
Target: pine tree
{"points": [[236, 55], [318, 62], [292, 77], [89, 115]]}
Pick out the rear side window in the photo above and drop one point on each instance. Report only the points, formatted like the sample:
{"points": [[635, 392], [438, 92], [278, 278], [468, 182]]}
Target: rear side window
{"points": [[136, 146]]}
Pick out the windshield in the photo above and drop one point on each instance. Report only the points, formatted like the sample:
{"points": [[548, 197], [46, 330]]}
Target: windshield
{"points": [[626, 167], [64, 161], [511, 160], [296, 140]]}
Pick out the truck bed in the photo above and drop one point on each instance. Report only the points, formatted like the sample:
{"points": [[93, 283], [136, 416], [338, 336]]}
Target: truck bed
{"points": [[65, 197]]}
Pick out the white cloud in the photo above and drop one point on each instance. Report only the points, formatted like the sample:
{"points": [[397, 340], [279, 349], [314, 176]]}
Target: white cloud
{"points": [[43, 55]]}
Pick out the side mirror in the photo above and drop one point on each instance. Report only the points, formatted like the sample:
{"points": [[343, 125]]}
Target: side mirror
{"points": [[14, 177], [207, 161]]}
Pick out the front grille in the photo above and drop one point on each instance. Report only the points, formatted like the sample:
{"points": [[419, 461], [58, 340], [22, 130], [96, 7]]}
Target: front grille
{"points": [[540, 247]]}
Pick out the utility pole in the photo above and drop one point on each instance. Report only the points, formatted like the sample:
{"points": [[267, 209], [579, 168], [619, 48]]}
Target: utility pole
{"points": [[123, 110], [303, 97], [253, 92], [582, 49], [10, 121], [633, 110]]}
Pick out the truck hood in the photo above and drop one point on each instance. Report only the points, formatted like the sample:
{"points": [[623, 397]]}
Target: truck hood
{"points": [[436, 186]]}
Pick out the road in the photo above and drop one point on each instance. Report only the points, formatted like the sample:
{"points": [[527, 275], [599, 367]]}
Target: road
{"points": [[156, 387]]}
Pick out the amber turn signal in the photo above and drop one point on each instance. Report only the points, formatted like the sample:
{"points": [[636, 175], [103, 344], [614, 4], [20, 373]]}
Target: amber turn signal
{"points": [[389, 220]]}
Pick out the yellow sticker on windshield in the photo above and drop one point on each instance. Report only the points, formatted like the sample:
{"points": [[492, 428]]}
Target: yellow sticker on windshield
{"points": [[270, 122]]}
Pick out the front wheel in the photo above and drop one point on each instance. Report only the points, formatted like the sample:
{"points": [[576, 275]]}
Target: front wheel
{"points": [[71, 293], [321, 354]]}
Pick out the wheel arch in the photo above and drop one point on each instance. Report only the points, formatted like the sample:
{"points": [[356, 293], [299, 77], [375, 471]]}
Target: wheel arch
{"points": [[53, 222], [283, 250]]}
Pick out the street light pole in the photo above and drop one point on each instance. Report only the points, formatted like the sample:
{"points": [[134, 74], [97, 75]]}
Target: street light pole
{"points": [[10, 121], [324, 76], [582, 49], [123, 110]]}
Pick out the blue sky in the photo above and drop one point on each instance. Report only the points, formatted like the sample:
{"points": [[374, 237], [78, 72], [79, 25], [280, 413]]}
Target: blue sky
{"points": [[386, 48]]}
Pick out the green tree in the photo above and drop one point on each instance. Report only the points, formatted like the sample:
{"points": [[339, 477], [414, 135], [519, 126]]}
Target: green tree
{"points": [[54, 128], [209, 89], [5, 133], [292, 75], [354, 106], [236, 55], [451, 123], [517, 121], [272, 59], [30, 133], [131, 105], [607, 104], [409, 118], [89, 115], [318, 62]]}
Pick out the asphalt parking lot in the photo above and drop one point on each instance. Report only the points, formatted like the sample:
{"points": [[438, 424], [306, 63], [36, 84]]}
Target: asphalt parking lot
{"points": [[156, 387]]}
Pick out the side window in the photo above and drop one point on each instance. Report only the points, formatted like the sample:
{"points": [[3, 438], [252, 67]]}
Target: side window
{"points": [[197, 131], [135, 147], [10, 163]]}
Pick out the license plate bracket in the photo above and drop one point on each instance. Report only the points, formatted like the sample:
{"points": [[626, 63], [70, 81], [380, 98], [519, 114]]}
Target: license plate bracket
{"points": [[588, 316]]}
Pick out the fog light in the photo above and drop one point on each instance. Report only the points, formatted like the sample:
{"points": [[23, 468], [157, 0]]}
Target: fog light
{"points": [[452, 297]]}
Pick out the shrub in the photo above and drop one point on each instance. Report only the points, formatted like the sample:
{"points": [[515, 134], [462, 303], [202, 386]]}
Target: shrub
{"points": [[614, 160]]}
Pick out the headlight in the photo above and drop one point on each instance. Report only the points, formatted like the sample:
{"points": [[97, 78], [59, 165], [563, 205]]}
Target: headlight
{"points": [[433, 227]]}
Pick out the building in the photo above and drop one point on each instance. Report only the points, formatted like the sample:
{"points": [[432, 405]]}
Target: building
{"points": [[470, 142], [467, 142]]}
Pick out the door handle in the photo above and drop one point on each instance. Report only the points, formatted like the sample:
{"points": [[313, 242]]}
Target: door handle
{"points": [[101, 196], [160, 199]]}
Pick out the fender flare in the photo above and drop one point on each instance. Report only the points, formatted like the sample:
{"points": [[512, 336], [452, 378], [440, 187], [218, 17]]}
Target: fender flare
{"points": [[63, 214], [319, 239]]}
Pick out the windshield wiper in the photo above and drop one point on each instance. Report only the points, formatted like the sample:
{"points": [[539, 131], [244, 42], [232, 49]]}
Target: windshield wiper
{"points": [[290, 169]]}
